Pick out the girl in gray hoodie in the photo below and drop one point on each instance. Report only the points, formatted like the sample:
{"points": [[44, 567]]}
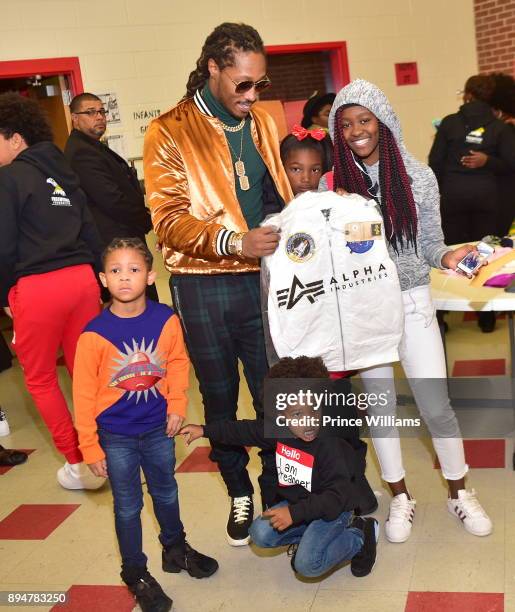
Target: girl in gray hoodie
{"points": [[370, 159]]}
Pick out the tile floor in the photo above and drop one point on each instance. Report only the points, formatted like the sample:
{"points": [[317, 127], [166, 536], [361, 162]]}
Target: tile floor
{"points": [[59, 540]]}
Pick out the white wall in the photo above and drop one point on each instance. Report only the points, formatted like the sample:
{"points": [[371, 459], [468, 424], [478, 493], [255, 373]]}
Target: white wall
{"points": [[144, 49]]}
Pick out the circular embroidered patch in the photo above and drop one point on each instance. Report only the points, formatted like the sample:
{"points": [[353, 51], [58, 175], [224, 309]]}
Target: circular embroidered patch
{"points": [[300, 247]]}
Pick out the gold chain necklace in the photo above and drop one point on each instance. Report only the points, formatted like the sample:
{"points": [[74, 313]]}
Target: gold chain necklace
{"points": [[239, 165], [234, 128]]}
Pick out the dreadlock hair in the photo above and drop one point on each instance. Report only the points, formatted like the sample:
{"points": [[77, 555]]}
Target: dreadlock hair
{"points": [[397, 202], [221, 46], [298, 367], [135, 244], [323, 147], [23, 116]]}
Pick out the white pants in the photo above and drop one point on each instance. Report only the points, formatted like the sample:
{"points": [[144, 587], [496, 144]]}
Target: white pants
{"points": [[423, 359]]}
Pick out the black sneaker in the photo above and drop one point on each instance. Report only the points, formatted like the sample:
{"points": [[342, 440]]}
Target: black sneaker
{"points": [[182, 557], [149, 594], [240, 520], [292, 552], [363, 561]]}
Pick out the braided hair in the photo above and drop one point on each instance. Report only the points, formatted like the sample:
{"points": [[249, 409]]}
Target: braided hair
{"points": [[220, 46], [397, 202]]}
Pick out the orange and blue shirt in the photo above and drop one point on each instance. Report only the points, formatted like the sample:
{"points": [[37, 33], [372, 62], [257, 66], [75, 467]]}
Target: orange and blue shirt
{"points": [[129, 373]]}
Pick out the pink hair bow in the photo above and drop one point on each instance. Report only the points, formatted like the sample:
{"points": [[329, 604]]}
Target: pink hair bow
{"points": [[301, 132]]}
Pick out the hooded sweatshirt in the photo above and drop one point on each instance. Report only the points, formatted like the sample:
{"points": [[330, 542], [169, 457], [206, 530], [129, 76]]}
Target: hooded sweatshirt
{"points": [[413, 267], [46, 224]]}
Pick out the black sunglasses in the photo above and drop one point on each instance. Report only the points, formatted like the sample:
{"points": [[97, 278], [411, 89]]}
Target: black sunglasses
{"points": [[244, 86]]}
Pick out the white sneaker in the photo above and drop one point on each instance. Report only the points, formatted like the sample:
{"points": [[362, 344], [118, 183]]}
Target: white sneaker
{"points": [[400, 519], [470, 512], [4, 425], [78, 476]]}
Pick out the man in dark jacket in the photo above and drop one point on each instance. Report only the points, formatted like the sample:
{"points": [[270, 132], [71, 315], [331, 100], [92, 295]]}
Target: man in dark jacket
{"points": [[111, 185]]}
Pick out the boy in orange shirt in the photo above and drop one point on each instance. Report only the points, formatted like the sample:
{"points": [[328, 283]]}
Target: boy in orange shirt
{"points": [[129, 392]]}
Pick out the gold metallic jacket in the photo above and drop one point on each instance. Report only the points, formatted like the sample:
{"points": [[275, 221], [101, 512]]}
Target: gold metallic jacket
{"points": [[190, 185]]}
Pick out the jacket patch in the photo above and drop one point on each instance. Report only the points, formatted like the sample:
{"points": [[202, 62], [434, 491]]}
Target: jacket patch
{"points": [[476, 136], [300, 247], [58, 197]]}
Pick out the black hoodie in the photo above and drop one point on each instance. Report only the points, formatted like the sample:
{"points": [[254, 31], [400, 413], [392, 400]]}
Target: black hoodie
{"points": [[45, 223], [316, 478], [473, 128]]}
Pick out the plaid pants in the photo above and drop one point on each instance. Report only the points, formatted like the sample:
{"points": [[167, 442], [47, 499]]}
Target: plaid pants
{"points": [[221, 319]]}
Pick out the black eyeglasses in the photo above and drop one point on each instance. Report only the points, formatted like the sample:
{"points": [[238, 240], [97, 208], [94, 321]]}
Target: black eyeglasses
{"points": [[93, 112], [243, 86]]}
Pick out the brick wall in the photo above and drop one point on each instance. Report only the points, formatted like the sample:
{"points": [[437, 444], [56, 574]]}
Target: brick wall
{"points": [[495, 35], [295, 76]]}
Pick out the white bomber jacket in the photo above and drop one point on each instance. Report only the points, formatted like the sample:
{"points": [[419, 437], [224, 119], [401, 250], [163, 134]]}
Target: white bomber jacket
{"points": [[330, 288]]}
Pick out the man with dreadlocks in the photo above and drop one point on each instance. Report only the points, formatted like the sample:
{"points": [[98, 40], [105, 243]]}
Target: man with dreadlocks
{"points": [[212, 172], [371, 159]]}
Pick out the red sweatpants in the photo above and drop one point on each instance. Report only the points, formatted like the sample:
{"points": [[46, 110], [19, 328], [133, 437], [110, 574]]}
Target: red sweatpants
{"points": [[50, 311]]}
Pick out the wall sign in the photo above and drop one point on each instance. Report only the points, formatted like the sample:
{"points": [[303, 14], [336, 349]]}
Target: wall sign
{"points": [[142, 118], [110, 102], [406, 73]]}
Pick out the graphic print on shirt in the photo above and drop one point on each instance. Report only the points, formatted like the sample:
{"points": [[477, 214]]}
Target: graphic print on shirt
{"points": [[475, 136], [292, 295], [138, 370], [58, 197], [300, 247], [294, 467]]}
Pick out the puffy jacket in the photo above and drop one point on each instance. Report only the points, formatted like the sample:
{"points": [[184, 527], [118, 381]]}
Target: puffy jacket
{"points": [[331, 289]]}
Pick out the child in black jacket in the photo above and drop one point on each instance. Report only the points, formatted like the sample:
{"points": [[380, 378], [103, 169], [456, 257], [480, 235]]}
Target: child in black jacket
{"points": [[315, 485]]}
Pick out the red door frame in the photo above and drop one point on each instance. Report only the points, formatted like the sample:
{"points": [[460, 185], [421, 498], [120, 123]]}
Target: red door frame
{"points": [[68, 66], [337, 53]]}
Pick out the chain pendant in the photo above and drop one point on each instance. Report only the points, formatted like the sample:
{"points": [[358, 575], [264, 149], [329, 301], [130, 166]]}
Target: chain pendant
{"points": [[244, 182], [239, 166]]}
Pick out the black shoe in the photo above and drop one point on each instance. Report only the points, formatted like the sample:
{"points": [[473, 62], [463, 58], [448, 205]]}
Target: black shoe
{"points": [[486, 321], [11, 457], [363, 561], [240, 520], [291, 552], [149, 594], [182, 557]]}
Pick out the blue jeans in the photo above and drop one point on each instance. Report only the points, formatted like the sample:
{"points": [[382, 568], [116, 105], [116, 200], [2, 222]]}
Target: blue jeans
{"points": [[322, 544], [154, 453]]}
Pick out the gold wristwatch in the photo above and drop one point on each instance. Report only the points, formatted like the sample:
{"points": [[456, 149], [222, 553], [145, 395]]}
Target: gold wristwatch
{"points": [[235, 246]]}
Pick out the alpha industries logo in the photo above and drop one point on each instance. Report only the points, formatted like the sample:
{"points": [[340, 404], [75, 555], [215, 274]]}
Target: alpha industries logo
{"points": [[292, 296], [357, 277], [58, 197]]}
